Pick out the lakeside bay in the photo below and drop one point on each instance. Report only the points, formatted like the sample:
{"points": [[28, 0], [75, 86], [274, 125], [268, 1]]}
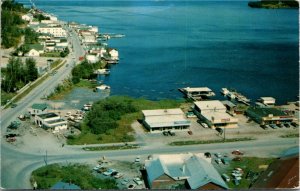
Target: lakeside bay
{"points": [[215, 44]]}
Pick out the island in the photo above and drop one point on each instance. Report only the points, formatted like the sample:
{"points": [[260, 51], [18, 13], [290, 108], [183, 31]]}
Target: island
{"points": [[274, 4]]}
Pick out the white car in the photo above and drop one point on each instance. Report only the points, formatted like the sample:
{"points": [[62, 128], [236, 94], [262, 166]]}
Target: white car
{"points": [[97, 167], [119, 175], [109, 171], [138, 181], [137, 159], [204, 125], [218, 161]]}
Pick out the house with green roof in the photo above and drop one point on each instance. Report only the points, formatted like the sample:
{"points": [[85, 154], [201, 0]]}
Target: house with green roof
{"points": [[38, 108], [266, 115], [35, 50]]}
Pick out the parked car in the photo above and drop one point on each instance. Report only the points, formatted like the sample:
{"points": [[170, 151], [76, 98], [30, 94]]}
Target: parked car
{"points": [[218, 155], [109, 172], [114, 173], [138, 181], [226, 177], [294, 124], [125, 181], [220, 130], [237, 152], [287, 125], [131, 186], [225, 160], [207, 154], [237, 159], [137, 159], [119, 175], [218, 161], [96, 168], [13, 105], [102, 169], [171, 133], [279, 125], [273, 126], [165, 133], [204, 125], [190, 132]]}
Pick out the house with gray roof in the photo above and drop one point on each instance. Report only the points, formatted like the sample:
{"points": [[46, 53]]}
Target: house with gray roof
{"points": [[189, 171]]}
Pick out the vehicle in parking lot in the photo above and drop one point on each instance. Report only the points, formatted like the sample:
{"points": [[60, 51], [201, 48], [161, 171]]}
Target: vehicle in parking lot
{"points": [[226, 177], [97, 167], [131, 186], [220, 130], [138, 181], [109, 172], [287, 125], [102, 169], [125, 181], [171, 133], [273, 126], [114, 173], [119, 175], [190, 132], [225, 160], [204, 125], [165, 133], [237, 152], [279, 125], [13, 105], [218, 155], [137, 159], [237, 159], [294, 124], [207, 154], [218, 161]]}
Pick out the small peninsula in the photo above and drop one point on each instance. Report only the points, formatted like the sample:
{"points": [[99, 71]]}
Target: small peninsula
{"points": [[274, 4]]}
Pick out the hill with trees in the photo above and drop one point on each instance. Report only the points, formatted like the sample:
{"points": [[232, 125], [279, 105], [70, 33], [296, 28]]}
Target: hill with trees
{"points": [[274, 4]]}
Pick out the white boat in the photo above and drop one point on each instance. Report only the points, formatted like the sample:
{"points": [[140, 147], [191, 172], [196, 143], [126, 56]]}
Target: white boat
{"points": [[103, 87], [197, 93], [231, 95], [224, 91], [102, 71]]}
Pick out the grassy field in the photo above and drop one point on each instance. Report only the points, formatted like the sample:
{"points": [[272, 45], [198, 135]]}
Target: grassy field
{"points": [[182, 143], [290, 135], [114, 147], [124, 132], [6, 96], [247, 164], [50, 54], [78, 174]]}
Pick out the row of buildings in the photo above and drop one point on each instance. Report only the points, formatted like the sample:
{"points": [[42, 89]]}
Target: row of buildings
{"points": [[214, 113], [52, 34]]}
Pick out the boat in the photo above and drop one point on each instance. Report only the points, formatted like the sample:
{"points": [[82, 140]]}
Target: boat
{"points": [[103, 87], [232, 94], [102, 71], [197, 93], [224, 91]]}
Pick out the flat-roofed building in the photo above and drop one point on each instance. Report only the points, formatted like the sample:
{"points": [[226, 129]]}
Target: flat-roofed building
{"points": [[185, 171], [266, 115], [213, 113], [51, 121], [165, 119], [268, 101]]}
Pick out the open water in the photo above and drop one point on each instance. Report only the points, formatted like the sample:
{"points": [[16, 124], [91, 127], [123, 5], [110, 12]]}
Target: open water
{"points": [[174, 44]]}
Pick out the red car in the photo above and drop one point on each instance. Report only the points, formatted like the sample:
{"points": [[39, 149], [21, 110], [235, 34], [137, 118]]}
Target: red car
{"points": [[237, 152]]}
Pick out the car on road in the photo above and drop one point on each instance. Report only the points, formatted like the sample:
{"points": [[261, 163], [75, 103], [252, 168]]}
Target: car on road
{"points": [[13, 105], [237, 152], [138, 181]]}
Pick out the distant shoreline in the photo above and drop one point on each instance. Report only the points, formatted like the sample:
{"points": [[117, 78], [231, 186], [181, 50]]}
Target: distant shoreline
{"points": [[292, 4]]}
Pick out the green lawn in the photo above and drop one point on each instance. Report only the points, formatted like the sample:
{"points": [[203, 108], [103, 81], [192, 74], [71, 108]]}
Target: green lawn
{"points": [[78, 174], [50, 54], [6, 96], [194, 142], [124, 132], [247, 164], [114, 147]]}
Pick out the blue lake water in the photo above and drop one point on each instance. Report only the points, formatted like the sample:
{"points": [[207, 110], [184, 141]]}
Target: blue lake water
{"points": [[174, 44]]}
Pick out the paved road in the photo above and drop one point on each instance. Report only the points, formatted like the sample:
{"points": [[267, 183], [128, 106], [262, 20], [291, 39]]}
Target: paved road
{"points": [[17, 165], [35, 96]]}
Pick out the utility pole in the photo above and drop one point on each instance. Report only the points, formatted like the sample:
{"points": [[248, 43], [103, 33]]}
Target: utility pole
{"points": [[45, 158], [224, 134]]}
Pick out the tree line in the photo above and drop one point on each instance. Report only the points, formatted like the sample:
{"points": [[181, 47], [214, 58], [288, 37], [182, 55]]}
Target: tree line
{"points": [[84, 70], [17, 74]]}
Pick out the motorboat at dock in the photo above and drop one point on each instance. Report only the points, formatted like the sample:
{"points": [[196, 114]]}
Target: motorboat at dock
{"points": [[197, 93]]}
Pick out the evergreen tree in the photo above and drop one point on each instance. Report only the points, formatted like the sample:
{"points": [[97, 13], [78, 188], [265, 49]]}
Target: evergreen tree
{"points": [[31, 70]]}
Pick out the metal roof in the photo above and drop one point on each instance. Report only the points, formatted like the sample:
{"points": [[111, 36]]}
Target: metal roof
{"points": [[162, 112], [191, 167], [197, 89], [209, 105], [39, 106]]}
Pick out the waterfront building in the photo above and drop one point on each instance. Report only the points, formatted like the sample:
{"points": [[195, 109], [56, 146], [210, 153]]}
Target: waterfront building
{"points": [[38, 108], [114, 54], [55, 30], [185, 171], [51, 121], [157, 121], [266, 115], [267, 101], [214, 114]]}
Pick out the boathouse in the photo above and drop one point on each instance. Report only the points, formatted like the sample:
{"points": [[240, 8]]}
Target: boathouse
{"points": [[214, 114], [165, 120]]}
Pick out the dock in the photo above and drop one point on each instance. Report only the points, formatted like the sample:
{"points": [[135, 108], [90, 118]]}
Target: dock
{"points": [[197, 93], [232, 94]]}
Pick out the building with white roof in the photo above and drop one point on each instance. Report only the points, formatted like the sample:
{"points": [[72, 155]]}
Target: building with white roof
{"points": [[189, 171], [165, 119], [268, 101], [214, 114], [51, 121]]}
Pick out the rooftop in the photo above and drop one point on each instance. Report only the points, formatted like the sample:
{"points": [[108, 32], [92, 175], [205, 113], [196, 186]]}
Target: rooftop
{"points": [[209, 105], [267, 99], [162, 112], [216, 115], [191, 167], [39, 106], [266, 111], [47, 115], [199, 89]]}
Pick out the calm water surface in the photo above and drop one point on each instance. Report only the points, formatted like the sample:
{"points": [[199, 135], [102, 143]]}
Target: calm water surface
{"points": [[174, 44]]}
